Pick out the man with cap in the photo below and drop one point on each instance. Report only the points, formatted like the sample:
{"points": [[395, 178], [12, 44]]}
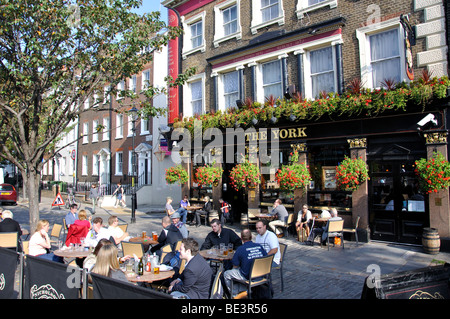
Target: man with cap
{"points": [[180, 225]]}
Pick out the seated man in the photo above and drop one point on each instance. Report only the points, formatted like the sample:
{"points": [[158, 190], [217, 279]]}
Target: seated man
{"points": [[281, 213], [195, 281], [9, 225], [269, 241], [182, 211], [323, 231], [170, 234], [115, 231], [181, 227], [242, 262], [207, 207], [72, 215], [220, 235], [96, 233]]}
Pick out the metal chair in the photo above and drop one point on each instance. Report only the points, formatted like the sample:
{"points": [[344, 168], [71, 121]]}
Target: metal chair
{"points": [[132, 248], [216, 288], [353, 230], [259, 274], [288, 223], [283, 248], [8, 240]]}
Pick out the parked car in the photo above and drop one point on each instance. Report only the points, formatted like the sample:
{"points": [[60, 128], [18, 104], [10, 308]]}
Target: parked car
{"points": [[8, 194]]}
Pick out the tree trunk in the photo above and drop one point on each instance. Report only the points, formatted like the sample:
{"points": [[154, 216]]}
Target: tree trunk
{"points": [[32, 184]]}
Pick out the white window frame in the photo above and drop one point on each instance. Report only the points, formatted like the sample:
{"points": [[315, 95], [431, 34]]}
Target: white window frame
{"points": [[219, 31], [106, 129], [257, 22], [84, 165], [118, 164], [145, 82], [187, 97], [95, 162], [304, 7], [261, 65], [133, 83], [362, 34], [145, 126], [307, 68], [85, 132], [120, 87], [187, 45], [106, 94], [95, 124], [119, 126], [221, 89], [130, 126]]}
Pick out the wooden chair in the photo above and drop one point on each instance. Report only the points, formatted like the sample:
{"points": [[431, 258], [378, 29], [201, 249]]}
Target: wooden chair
{"points": [[26, 247], [216, 287], [178, 246], [259, 274], [8, 240], [132, 248], [56, 232], [283, 248], [124, 227], [164, 251], [335, 229], [353, 230], [182, 265]]}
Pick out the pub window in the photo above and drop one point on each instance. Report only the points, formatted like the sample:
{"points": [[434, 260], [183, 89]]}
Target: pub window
{"points": [[265, 13], [194, 34], [196, 97], [304, 6], [272, 80], [269, 9], [322, 71], [384, 57], [227, 21], [231, 88]]}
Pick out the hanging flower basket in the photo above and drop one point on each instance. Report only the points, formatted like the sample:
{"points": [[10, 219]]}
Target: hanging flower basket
{"points": [[293, 176], [351, 173], [176, 174], [245, 175], [434, 173], [208, 175]]}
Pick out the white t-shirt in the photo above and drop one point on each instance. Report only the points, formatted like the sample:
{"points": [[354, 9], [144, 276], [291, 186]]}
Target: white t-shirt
{"points": [[269, 241], [92, 237], [35, 247], [117, 232]]}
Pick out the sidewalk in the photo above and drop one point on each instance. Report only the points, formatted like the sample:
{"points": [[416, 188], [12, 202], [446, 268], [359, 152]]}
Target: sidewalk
{"points": [[310, 272]]}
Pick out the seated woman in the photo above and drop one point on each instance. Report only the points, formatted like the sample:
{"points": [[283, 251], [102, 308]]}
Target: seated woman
{"points": [[79, 230], [90, 260], [107, 263], [182, 211], [39, 245], [83, 220], [303, 220]]}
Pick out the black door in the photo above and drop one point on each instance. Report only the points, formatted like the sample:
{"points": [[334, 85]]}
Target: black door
{"points": [[398, 211]]}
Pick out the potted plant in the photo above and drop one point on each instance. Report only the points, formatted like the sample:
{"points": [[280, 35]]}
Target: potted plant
{"points": [[293, 176], [434, 173], [208, 174], [176, 174], [351, 173], [245, 175]]}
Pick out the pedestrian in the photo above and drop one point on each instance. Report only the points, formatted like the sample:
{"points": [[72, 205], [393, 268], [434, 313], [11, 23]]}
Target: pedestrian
{"points": [[120, 195], [94, 195]]}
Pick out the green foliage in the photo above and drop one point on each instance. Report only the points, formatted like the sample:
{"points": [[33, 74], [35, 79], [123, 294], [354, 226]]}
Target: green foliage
{"points": [[245, 175], [293, 176], [434, 173], [351, 173], [176, 174]]}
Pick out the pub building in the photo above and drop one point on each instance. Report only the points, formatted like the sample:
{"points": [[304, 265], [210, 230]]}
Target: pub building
{"points": [[309, 48]]}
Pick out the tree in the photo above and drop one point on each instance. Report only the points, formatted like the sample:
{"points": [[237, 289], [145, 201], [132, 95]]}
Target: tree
{"points": [[57, 53]]}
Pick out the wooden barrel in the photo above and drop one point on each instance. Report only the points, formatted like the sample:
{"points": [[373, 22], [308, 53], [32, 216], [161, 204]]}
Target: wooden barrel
{"points": [[213, 215], [430, 241]]}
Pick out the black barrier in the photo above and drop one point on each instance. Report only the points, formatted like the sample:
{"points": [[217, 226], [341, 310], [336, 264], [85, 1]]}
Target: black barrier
{"points": [[108, 288], [45, 279], [423, 283], [8, 266]]}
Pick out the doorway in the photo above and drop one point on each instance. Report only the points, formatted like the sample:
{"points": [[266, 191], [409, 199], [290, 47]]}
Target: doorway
{"points": [[398, 211]]}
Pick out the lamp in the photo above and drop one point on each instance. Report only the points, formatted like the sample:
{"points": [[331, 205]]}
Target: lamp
{"points": [[134, 116]]}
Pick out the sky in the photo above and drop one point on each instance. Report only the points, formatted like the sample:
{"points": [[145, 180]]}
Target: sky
{"points": [[153, 5]]}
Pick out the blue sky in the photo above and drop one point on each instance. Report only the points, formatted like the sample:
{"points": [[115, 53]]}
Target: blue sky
{"points": [[153, 5]]}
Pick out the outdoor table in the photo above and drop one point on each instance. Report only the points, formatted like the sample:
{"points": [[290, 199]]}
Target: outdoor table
{"points": [[191, 210], [266, 217], [211, 254], [150, 277], [72, 253], [147, 241]]}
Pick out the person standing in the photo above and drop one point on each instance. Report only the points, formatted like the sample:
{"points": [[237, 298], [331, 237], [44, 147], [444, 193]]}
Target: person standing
{"points": [[195, 281], [94, 195], [242, 262], [119, 192]]}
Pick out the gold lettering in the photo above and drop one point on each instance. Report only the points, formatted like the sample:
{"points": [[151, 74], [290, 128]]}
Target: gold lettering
{"points": [[283, 133], [301, 132], [263, 135], [276, 134], [292, 133]]}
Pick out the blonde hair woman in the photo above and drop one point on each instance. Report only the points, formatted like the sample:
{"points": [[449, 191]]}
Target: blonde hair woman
{"points": [[107, 263], [83, 219], [40, 242]]}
